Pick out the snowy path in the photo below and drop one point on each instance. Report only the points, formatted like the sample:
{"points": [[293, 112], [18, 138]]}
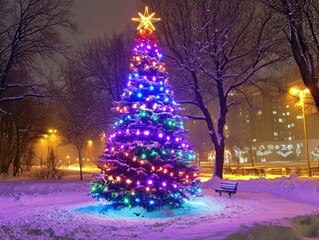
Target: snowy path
{"points": [[62, 210]]}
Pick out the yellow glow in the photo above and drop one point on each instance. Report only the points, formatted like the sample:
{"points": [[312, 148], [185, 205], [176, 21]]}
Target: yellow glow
{"points": [[90, 142], [146, 20], [306, 90], [294, 91]]}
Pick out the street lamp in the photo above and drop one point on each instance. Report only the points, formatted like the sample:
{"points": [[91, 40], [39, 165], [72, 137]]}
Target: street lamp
{"points": [[301, 94]]}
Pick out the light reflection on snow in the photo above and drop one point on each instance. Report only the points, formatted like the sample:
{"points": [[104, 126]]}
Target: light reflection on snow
{"points": [[202, 206]]}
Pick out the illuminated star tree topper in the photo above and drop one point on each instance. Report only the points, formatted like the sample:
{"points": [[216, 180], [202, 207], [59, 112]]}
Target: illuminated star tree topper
{"points": [[146, 20]]}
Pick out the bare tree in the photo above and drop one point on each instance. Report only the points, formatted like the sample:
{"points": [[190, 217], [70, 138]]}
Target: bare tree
{"points": [[221, 45], [105, 62], [29, 31], [80, 109], [301, 27]]}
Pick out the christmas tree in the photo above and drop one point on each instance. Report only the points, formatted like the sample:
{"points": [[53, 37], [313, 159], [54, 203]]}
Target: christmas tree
{"points": [[147, 159]]}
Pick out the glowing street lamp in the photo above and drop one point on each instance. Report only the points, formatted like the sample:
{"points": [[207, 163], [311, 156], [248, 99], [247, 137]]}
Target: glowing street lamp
{"points": [[301, 93]]}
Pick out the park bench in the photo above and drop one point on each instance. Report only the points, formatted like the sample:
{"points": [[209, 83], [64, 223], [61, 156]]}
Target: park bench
{"points": [[227, 187], [275, 171]]}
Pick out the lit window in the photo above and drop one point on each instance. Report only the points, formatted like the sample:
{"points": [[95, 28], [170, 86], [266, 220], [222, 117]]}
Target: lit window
{"points": [[287, 106], [280, 120], [288, 113], [299, 117], [292, 125], [274, 112], [284, 114], [289, 125], [254, 140], [259, 112], [247, 121], [289, 138], [275, 133]]}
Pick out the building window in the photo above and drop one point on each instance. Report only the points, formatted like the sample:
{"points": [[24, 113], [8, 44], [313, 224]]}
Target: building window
{"points": [[259, 112], [299, 117], [292, 125], [289, 125], [284, 114], [274, 112], [287, 106], [280, 120], [288, 113], [289, 138], [247, 121], [275, 133]]}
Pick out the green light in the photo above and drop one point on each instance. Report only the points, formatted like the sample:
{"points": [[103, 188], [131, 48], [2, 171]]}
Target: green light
{"points": [[143, 156], [126, 201], [180, 153], [153, 153], [163, 152], [121, 121], [143, 114]]}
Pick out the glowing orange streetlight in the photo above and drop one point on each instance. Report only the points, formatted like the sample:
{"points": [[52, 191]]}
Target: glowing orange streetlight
{"points": [[301, 93]]}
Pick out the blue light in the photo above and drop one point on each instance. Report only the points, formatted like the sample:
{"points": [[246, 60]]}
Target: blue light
{"points": [[161, 89], [151, 87], [152, 202], [160, 55], [136, 75], [157, 97], [137, 200], [139, 95], [199, 190], [130, 77], [166, 99], [140, 86]]}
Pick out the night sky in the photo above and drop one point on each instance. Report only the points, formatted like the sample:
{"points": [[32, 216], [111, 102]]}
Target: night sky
{"points": [[102, 17]]}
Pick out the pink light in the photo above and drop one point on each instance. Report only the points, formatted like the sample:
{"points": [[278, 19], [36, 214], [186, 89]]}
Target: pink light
{"points": [[164, 184], [168, 138], [177, 139], [146, 133], [138, 182], [122, 146], [174, 185], [127, 131], [148, 47], [160, 135], [183, 145], [154, 79], [150, 182], [138, 132]]}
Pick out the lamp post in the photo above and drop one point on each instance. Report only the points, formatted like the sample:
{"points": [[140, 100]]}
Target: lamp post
{"points": [[301, 94]]}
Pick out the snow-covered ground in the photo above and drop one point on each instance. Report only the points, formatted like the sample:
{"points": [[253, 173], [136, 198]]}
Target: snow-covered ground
{"points": [[261, 209]]}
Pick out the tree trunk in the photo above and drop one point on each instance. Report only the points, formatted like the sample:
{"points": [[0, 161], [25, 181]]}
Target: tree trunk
{"points": [[80, 162], [219, 161]]}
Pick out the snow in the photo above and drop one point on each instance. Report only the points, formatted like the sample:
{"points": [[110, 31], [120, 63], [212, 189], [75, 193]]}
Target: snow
{"points": [[59, 209]]}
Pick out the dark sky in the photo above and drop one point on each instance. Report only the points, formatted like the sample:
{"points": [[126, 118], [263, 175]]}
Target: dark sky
{"points": [[102, 17]]}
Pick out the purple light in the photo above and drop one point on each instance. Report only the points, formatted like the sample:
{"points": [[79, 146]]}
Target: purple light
{"points": [[127, 131], [174, 185], [148, 47], [138, 183], [160, 135], [177, 139], [154, 78], [122, 146], [138, 132], [164, 184], [141, 86], [146, 133], [183, 145], [168, 138], [150, 182]]}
